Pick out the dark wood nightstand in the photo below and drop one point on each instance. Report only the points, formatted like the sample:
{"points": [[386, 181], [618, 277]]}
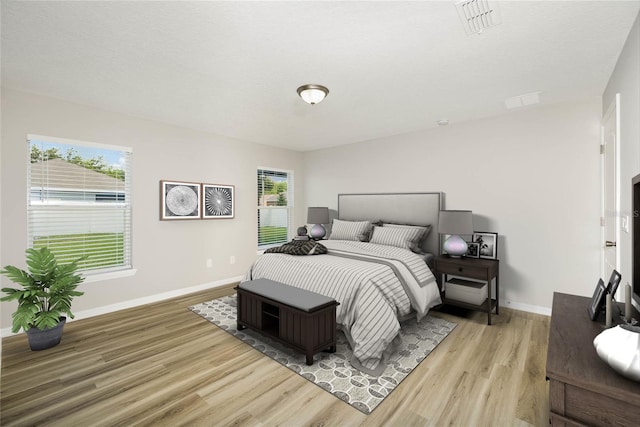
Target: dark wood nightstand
{"points": [[471, 268]]}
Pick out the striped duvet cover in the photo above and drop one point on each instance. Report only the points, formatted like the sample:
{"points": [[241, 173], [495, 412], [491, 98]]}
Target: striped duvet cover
{"points": [[375, 285]]}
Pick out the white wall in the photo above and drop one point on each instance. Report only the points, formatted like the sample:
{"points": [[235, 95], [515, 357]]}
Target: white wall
{"points": [[625, 80], [532, 176], [169, 256]]}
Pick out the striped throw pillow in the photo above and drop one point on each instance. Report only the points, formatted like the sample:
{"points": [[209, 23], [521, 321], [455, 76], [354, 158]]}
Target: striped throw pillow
{"points": [[400, 237], [417, 248], [350, 230]]}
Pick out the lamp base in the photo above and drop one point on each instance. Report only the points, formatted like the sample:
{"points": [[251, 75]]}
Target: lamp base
{"points": [[455, 246], [317, 232]]}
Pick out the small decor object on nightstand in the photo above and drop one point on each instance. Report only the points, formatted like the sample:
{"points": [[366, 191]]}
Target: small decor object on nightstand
{"points": [[318, 216], [301, 233], [455, 223], [488, 244], [474, 250]]}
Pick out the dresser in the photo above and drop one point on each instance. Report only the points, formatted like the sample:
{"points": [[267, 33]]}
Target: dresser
{"points": [[583, 389]]}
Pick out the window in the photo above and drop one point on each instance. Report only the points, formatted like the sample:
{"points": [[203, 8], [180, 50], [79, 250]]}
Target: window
{"points": [[275, 206], [80, 202]]}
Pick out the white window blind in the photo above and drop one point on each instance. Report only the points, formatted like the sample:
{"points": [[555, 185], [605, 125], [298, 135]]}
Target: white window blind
{"points": [[275, 206], [80, 202]]}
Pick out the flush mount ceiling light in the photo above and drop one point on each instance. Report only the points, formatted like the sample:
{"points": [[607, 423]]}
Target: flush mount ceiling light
{"points": [[478, 15], [313, 94]]}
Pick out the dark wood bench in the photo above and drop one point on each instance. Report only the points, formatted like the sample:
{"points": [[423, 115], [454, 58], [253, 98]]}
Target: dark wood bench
{"points": [[303, 319]]}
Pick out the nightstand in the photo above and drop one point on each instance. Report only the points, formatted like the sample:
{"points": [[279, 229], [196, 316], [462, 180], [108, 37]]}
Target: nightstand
{"points": [[470, 268]]}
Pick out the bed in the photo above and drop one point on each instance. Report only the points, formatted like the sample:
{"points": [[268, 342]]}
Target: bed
{"points": [[379, 282]]}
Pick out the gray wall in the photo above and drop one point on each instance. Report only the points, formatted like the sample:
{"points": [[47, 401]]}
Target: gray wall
{"points": [[625, 80], [169, 256], [532, 176]]}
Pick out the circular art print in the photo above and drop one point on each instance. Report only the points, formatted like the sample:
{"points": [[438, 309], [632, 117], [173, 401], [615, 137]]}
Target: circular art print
{"points": [[180, 200], [217, 201]]}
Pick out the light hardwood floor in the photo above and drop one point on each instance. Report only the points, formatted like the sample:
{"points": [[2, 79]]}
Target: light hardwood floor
{"points": [[161, 364]]}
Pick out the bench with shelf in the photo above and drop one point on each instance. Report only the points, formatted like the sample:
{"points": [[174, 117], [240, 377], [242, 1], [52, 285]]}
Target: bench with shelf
{"points": [[299, 318]]}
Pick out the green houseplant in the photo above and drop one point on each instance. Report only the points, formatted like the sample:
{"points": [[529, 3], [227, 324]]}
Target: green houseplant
{"points": [[46, 292]]}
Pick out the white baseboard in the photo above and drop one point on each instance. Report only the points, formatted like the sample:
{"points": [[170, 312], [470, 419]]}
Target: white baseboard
{"points": [[527, 307], [142, 301], [180, 292]]}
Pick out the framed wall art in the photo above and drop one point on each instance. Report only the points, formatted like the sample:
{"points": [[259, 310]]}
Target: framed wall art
{"points": [[487, 244], [218, 201], [179, 200]]}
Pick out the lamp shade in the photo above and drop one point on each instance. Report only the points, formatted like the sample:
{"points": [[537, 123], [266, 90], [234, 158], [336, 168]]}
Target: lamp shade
{"points": [[455, 222], [312, 94], [318, 215]]}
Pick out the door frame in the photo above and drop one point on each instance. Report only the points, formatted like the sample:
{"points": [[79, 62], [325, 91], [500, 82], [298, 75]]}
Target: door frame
{"points": [[614, 108]]}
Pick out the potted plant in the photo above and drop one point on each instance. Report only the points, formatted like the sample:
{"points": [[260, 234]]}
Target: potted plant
{"points": [[46, 292]]}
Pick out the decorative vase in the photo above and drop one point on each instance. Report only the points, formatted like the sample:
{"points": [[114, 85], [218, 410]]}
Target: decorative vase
{"points": [[41, 339], [317, 232], [619, 347], [455, 246]]}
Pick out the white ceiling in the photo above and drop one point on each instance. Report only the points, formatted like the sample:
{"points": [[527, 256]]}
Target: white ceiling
{"points": [[232, 68]]}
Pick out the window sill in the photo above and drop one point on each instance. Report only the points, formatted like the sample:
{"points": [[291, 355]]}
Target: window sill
{"points": [[108, 276]]}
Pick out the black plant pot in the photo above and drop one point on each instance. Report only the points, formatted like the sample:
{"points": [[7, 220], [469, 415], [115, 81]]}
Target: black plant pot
{"points": [[47, 338]]}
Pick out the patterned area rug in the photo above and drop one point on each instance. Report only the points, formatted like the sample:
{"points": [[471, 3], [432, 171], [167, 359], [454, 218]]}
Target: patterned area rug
{"points": [[332, 371]]}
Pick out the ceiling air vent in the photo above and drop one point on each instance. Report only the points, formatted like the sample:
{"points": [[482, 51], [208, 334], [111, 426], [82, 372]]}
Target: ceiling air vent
{"points": [[478, 15], [522, 100]]}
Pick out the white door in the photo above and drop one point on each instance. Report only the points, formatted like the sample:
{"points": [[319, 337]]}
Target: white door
{"points": [[611, 189]]}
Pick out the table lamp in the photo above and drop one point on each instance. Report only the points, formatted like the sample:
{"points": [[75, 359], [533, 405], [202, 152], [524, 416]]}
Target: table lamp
{"points": [[455, 223], [317, 216]]}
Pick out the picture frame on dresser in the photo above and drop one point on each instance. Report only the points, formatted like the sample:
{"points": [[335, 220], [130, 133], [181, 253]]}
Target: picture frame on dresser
{"points": [[487, 244], [597, 300], [614, 281]]}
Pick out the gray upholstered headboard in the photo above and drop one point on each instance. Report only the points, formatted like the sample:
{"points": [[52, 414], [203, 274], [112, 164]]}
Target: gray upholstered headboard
{"points": [[400, 208]]}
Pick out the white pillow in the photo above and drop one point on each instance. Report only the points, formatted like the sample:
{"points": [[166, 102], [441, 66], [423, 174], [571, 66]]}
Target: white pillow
{"points": [[350, 230], [401, 237]]}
